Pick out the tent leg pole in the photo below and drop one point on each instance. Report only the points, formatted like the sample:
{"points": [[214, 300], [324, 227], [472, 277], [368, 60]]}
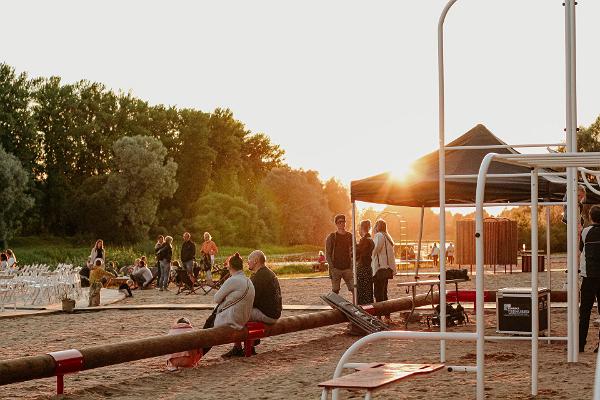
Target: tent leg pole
{"points": [[354, 290], [420, 240]]}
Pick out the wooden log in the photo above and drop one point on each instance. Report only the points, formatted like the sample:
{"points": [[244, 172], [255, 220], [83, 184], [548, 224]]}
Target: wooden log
{"points": [[43, 366]]}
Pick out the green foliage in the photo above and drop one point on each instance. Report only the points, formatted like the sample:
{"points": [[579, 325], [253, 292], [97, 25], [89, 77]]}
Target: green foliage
{"points": [[230, 220], [18, 131], [98, 171], [302, 209], [14, 201]]}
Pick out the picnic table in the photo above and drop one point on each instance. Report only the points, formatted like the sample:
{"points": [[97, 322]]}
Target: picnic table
{"points": [[431, 283], [117, 281]]}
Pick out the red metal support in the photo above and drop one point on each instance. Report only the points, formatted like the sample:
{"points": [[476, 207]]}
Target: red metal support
{"points": [[256, 330], [66, 362]]}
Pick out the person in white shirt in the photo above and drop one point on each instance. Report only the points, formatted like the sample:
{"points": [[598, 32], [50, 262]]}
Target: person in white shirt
{"points": [[435, 254], [450, 254], [143, 276], [12, 260]]}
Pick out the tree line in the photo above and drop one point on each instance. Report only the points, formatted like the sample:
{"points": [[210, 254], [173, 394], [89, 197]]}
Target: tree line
{"points": [[84, 161]]}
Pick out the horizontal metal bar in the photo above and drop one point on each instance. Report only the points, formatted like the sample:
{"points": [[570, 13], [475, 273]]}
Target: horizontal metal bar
{"points": [[461, 368], [521, 174], [515, 204], [540, 338], [502, 146]]}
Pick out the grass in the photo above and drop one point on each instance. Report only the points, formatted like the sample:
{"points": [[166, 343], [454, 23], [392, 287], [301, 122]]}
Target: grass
{"points": [[54, 250]]}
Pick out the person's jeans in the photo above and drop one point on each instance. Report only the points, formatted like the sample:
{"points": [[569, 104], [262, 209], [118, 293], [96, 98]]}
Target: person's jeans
{"points": [[336, 279], [590, 290], [189, 266], [380, 287], [165, 269], [259, 316]]}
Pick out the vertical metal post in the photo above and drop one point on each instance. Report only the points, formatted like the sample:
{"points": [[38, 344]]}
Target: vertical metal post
{"points": [[572, 209], [534, 282], [419, 245], [354, 289], [479, 278], [549, 268], [442, 177]]}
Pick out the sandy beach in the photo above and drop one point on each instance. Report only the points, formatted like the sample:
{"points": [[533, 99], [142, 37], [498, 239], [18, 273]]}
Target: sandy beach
{"points": [[289, 366]]}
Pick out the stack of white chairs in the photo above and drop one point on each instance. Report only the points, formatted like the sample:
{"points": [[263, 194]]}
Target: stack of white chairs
{"points": [[38, 284]]}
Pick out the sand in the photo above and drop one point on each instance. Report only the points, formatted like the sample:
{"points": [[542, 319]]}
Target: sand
{"points": [[288, 366]]}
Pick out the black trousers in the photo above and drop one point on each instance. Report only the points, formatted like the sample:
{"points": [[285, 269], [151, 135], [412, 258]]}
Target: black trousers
{"points": [[380, 287], [590, 291]]}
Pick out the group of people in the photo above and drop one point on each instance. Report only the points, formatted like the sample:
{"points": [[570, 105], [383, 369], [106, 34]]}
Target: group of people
{"points": [[96, 272], [239, 300], [434, 254], [8, 261], [375, 260]]}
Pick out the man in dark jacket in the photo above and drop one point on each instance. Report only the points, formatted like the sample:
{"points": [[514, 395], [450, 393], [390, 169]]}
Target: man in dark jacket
{"points": [[188, 253], [589, 245], [338, 251]]}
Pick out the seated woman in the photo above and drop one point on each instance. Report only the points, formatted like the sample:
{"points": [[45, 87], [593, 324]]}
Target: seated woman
{"points": [[183, 359], [234, 299]]}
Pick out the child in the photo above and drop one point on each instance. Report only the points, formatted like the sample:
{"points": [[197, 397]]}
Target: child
{"points": [[184, 359], [98, 276]]}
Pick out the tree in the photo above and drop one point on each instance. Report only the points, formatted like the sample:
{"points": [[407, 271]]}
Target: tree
{"points": [[231, 220], [338, 198], [302, 212], [134, 191], [18, 133], [14, 199]]}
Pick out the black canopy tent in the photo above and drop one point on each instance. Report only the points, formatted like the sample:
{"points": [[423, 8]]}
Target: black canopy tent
{"points": [[421, 187]]}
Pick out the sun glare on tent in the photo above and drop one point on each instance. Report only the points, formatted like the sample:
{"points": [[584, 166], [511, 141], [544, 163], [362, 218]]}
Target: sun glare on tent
{"points": [[402, 172]]}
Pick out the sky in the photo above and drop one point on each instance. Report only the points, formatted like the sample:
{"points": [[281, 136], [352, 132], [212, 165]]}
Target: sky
{"points": [[347, 88]]}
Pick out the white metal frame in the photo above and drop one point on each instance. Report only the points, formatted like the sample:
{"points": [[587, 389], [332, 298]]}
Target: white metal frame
{"points": [[535, 161], [572, 160]]}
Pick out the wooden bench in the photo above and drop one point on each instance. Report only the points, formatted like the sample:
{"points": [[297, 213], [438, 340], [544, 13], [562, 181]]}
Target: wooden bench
{"points": [[376, 376]]}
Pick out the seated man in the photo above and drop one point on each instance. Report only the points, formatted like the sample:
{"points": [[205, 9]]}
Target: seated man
{"points": [[143, 276], [267, 300]]}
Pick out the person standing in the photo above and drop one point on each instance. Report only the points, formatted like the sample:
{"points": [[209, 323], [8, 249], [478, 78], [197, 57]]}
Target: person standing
{"points": [[209, 250], [383, 262], [589, 267], [188, 254], [364, 273], [165, 255], [160, 242], [450, 254], [338, 251], [435, 254], [98, 252]]}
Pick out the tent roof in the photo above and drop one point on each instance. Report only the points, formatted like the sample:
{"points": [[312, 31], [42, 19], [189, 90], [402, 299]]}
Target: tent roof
{"points": [[421, 187]]}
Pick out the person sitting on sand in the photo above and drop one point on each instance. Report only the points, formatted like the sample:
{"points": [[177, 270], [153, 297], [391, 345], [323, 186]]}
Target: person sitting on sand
{"points": [[183, 359], [267, 299], [97, 278], [143, 276]]}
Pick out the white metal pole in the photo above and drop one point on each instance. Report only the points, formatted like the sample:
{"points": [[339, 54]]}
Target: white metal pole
{"points": [[479, 283], [442, 177], [575, 210], [570, 203], [534, 283], [354, 290], [548, 268]]}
